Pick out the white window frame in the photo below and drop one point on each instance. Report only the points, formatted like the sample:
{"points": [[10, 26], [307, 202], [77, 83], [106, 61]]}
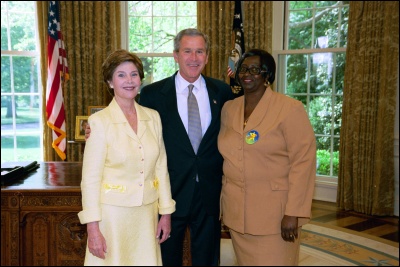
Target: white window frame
{"points": [[326, 186], [13, 94], [125, 37]]}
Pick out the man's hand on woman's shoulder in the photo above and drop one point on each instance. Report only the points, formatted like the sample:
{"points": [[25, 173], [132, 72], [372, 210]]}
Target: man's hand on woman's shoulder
{"points": [[87, 131]]}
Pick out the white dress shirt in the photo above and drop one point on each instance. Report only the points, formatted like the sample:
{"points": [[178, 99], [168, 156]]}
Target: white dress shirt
{"points": [[201, 93]]}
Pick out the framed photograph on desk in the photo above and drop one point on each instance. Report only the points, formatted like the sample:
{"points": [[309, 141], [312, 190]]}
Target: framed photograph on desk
{"points": [[94, 109], [80, 126]]}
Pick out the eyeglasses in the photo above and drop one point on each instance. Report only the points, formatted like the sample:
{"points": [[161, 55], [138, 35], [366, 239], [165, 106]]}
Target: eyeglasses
{"points": [[252, 70]]}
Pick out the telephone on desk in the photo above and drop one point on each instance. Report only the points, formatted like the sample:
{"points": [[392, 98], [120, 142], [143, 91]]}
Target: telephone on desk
{"points": [[10, 175]]}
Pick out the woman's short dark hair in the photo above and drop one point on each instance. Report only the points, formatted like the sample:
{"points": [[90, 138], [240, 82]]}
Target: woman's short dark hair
{"points": [[267, 64], [115, 59]]}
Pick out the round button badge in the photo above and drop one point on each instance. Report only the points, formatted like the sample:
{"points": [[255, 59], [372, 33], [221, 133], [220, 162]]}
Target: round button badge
{"points": [[252, 137]]}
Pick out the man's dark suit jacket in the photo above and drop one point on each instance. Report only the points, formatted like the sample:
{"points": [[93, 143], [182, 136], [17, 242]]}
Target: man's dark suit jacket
{"points": [[183, 163]]}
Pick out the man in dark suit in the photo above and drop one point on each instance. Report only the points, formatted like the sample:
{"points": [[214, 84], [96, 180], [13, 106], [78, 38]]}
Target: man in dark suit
{"points": [[196, 178]]}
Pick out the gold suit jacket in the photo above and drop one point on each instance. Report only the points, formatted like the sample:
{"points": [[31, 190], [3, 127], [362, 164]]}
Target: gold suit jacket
{"points": [[275, 175]]}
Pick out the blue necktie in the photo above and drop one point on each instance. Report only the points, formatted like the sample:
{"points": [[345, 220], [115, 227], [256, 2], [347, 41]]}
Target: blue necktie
{"points": [[194, 123]]}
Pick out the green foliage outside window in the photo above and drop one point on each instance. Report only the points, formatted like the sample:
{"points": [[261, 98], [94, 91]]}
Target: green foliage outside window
{"points": [[152, 28], [20, 97], [316, 78]]}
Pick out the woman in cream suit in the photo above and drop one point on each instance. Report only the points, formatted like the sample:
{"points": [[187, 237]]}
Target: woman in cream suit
{"points": [[269, 151], [125, 182]]}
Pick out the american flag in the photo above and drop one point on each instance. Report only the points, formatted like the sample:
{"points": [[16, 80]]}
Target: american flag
{"points": [[237, 46], [57, 74]]}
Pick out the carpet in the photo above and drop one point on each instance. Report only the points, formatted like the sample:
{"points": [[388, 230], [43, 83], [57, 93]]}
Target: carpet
{"points": [[323, 246]]}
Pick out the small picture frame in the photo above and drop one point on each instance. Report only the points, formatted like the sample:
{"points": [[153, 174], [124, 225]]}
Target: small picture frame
{"points": [[80, 126], [94, 109]]}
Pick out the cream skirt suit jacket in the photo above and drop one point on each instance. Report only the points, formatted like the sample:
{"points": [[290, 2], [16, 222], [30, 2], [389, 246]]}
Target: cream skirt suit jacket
{"points": [[125, 185]]}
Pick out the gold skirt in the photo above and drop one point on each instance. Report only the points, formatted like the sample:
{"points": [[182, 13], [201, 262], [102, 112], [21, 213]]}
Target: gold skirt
{"points": [[265, 250]]}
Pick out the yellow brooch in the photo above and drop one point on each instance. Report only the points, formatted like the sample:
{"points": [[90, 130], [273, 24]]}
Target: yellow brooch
{"points": [[109, 187], [156, 182]]}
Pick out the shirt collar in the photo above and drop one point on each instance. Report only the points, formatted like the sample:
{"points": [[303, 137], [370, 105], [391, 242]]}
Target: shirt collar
{"points": [[182, 84]]}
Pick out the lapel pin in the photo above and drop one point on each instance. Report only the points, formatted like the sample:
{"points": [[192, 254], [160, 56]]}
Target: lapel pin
{"points": [[215, 101], [252, 137]]}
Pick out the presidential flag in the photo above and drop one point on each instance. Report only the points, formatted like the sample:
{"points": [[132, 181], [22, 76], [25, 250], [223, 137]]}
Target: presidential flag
{"points": [[237, 47], [57, 75]]}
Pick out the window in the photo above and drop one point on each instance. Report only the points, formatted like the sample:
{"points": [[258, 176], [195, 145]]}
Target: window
{"points": [[21, 104], [311, 69], [152, 26]]}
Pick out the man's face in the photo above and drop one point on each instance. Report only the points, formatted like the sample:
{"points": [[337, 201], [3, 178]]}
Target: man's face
{"points": [[192, 57]]}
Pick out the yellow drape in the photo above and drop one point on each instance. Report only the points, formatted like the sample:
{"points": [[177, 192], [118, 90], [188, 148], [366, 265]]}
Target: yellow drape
{"points": [[366, 171], [215, 18], [91, 30]]}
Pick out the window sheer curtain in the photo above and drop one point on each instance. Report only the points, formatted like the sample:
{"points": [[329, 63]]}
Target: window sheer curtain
{"points": [[91, 30], [215, 18], [366, 172]]}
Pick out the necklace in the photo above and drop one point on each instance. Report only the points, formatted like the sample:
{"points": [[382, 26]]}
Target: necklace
{"points": [[245, 122]]}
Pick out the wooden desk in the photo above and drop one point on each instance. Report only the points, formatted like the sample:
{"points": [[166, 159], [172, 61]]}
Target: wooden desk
{"points": [[39, 222]]}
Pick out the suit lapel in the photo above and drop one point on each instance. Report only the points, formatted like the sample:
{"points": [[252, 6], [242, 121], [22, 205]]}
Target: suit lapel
{"points": [[142, 118], [238, 115], [214, 107], [170, 105], [260, 112], [118, 118], [170, 109]]}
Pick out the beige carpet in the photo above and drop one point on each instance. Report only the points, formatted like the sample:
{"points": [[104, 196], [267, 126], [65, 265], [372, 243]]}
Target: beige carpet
{"points": [[322, 246]]}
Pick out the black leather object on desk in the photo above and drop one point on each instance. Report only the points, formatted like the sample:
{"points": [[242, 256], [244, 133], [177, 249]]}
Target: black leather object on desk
{"points": [[11, 175]]}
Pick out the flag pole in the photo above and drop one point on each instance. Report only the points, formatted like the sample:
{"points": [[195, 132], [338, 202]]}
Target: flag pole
{"points": [[57, 74], [237, 49]]}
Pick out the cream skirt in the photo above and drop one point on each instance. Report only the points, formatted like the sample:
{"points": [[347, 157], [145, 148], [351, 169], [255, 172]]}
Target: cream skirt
{"points": [[130, 235]]}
